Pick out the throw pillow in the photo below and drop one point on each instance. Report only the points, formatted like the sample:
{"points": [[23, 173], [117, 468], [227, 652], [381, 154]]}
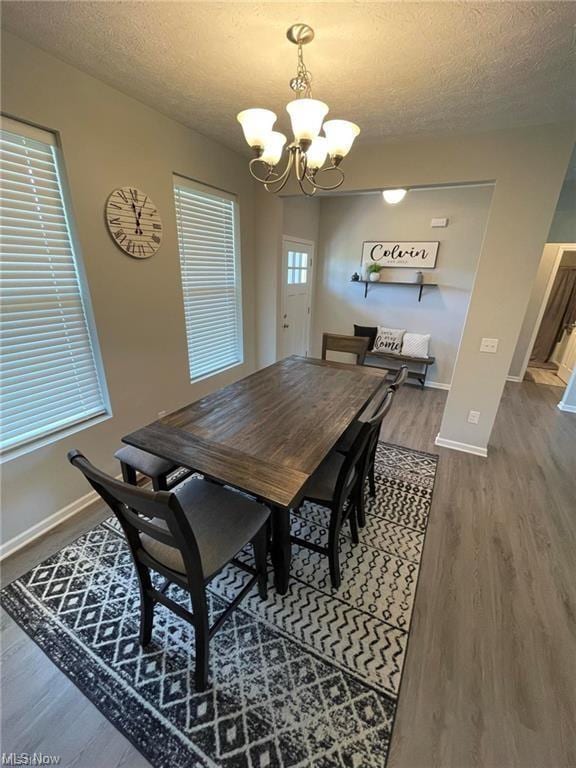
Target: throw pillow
{"points": [[388, 339], [416, 344], [368, 332]]}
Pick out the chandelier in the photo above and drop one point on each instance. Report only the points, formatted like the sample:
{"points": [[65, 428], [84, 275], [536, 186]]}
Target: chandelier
{"points": [[307, 154]]}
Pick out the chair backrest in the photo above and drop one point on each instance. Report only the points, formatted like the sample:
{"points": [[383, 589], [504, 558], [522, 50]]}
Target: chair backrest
{"points": [[158, 514], [356, 457], [355, 345], [400, 378]]}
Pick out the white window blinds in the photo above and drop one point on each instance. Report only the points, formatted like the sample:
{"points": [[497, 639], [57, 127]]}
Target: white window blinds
{"points": [[50, 378], [208, 242]]}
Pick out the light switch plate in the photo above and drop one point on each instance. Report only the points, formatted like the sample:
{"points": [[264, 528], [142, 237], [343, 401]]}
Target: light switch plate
{"points": [[439, 222], [489, 345], [474, 417]]}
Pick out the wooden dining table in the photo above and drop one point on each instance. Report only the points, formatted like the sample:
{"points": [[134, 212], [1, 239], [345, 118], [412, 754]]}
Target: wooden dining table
{"points": [[266, 434]]}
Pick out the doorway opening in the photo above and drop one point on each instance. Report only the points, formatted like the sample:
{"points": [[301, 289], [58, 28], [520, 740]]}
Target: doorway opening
{"points": [[552, 357], [297, 294]]}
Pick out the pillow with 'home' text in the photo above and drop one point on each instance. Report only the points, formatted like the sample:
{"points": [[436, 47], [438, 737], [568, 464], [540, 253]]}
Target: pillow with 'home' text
{"points": [[389, 339]]}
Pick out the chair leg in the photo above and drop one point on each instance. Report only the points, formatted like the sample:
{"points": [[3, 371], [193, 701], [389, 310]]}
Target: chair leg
{"points": [[361, 507], [128, 473], [146, 606], [334, 549], [260, 546], [353, 517], [372, 481], [201, 631], [160, 483]]}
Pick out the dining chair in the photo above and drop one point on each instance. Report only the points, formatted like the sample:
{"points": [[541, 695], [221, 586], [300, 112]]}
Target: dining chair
{"points": [[368, 468], [336, 486], [349, 437], [400, 378], [355, 345], [187, 536], [133, 460]]}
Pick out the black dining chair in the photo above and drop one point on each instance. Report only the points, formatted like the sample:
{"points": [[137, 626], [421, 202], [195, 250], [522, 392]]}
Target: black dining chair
{"points": [[400, 378], [337, 485], [133, 460], [368, 468], [187, 536], [350, 436]]}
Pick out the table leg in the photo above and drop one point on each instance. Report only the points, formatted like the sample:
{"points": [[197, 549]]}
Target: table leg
{"points": [[281, 548]]}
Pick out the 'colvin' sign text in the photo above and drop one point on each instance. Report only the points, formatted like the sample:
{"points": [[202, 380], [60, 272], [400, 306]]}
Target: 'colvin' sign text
{"points": [[418, 255]]}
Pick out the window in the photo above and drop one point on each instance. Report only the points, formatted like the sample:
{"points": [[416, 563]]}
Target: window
{"points": [[49, 356], [207, 222], [297, 268]]}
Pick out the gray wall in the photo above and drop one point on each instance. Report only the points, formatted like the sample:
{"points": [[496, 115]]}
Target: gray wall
{"points": [[346, 221], [528, 166], [110, 140]]}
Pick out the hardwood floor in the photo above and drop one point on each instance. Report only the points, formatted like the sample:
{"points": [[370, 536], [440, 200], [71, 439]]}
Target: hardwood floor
{"points": [[544, 376], [490, 675]]}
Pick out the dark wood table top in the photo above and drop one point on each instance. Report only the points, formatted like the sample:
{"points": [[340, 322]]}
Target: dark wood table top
{"points": [[268, 432]]}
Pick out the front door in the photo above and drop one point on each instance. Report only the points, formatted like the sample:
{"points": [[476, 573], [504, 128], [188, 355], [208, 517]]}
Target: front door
{"points": [[297, 264], [568, 361]]}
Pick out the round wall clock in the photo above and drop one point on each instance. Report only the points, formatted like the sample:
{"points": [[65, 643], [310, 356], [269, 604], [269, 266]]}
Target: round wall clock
{"points": [[134, 222]]}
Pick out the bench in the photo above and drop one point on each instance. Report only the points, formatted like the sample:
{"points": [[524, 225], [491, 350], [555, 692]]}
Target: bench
{"points": [[373, 357]]}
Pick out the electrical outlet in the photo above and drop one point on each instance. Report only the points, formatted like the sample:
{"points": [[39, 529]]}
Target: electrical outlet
{"points": [[489, 345], [474, 417]]}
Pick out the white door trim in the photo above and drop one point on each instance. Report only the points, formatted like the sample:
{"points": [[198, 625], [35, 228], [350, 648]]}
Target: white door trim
{"points": [[561, 248], [312, 271]]}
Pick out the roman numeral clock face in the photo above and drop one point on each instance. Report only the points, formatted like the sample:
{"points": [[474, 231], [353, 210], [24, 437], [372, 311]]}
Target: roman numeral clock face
{"points": [[134, 222]]}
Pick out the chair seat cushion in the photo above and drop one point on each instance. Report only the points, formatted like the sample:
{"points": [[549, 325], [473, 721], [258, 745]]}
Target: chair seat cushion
{"points": [[322, 484], [144, 462], [223, 521], [349, 437]]}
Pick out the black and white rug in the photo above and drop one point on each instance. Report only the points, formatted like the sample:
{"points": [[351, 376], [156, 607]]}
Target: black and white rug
{"points": [[306, 679]]}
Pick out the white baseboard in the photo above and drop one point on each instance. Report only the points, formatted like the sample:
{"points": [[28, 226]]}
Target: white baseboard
{"points": [[566, 408], [30, 534], [437, 385], [518, 379], [464, 447], [26, 537]]}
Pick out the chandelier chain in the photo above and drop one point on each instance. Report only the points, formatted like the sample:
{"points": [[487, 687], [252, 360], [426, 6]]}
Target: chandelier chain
{"points": [[302, 83]]}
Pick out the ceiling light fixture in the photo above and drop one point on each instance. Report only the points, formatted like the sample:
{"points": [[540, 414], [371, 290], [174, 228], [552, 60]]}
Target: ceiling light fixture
{"points": [[308, 151], [394, 196]]}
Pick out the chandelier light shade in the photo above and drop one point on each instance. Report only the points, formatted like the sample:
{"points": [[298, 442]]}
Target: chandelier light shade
{"points": [[273, 148], [257, 126], [306, 116], [317, 153], [394, 196], [310, 155], [340, 135]]}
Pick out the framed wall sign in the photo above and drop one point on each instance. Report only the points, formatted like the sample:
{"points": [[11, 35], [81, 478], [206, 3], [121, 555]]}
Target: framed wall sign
{"points": [[394, 253]]}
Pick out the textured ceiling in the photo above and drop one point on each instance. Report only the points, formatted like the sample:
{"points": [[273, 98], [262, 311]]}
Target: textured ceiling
{"points": [[397, 69]]}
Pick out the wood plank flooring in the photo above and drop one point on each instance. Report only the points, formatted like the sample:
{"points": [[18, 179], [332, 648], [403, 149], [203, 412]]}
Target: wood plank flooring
{"points": [[490, 675], [544, 376]]}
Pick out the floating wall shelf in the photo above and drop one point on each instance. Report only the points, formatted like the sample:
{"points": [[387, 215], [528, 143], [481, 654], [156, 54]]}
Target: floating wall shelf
{"points": [[366, 283]]}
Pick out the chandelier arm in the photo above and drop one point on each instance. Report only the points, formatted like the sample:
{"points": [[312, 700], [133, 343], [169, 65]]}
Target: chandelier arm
{"points": [[327, 187], [301, 165], [303, 188], [277, 184]]}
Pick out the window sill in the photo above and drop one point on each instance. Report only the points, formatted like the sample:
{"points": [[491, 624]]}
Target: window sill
{"points": [[54, 437], [216, 373]]}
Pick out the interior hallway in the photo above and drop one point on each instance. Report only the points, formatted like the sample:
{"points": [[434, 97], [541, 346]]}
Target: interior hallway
{"points": [[489, 676]]}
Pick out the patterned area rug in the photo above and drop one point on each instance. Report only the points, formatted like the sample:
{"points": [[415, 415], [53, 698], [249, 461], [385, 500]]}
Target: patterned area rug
{"points": [[306, 679]]}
